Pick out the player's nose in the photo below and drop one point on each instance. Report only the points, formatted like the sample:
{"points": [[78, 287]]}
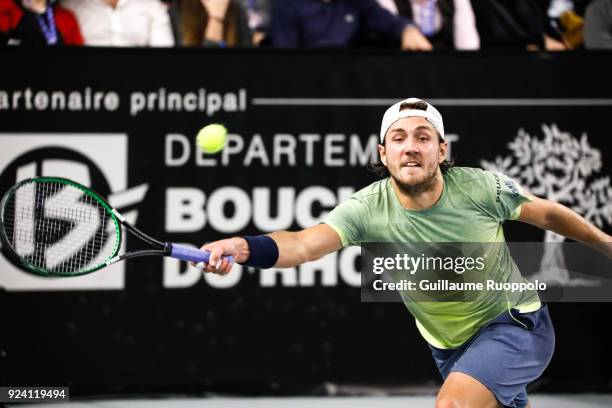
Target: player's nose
{"points": [[410, 146]]}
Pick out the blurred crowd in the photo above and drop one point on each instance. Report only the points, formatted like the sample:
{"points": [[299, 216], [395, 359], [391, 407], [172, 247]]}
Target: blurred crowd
{"points": [[412, 25]]}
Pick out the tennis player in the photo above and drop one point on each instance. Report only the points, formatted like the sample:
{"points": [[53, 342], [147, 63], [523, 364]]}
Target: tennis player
{"points": [[486, 352]]}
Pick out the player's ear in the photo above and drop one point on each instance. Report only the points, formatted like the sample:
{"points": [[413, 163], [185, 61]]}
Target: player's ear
{"points": [[383, 154], [442, 151]]}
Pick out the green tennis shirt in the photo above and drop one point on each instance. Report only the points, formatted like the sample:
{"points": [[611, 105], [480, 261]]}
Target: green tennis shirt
{"points": [[473, 206]]}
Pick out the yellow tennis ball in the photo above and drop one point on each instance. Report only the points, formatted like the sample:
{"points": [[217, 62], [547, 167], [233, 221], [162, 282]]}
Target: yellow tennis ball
{"points": [[212, 138]]}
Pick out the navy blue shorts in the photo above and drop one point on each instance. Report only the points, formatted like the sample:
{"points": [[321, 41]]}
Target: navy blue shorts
{"points": [[505, 355]]}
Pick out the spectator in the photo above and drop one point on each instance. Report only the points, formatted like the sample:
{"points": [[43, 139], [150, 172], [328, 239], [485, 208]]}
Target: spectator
{"points": [[174, 15], [566, 22], [598, 25], [447, 24], [37, 22], [214, 23], [339, 23], [570, 26], [521, 24], [258, 12], [123, 23]]}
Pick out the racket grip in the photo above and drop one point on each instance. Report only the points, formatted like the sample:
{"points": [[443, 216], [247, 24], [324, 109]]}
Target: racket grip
{"points": [[190, 254]]}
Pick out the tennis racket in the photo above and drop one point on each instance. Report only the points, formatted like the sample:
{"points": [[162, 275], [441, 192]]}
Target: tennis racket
{"points": [[52, 226]]}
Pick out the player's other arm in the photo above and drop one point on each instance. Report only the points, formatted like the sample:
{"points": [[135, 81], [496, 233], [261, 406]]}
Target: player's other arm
{"points": [[555, 217], [294, 248]]}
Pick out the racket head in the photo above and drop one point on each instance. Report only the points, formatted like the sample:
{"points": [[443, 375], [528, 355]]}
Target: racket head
{"points": [[52, 226]]}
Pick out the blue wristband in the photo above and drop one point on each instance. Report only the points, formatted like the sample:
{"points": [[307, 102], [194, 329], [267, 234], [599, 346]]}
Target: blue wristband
{"points": [[263, 251]]}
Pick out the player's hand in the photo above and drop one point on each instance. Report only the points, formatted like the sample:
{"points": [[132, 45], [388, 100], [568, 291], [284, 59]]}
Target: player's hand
{"points": [[550, 44], [606, 247], [219, 250], [216, 8], [414, 40]]}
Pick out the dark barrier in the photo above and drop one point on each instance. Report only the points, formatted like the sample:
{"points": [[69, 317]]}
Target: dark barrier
{"points": [[303, 127]]}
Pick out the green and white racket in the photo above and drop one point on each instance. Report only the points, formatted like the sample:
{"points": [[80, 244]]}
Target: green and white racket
{"points": [[55, 227]]}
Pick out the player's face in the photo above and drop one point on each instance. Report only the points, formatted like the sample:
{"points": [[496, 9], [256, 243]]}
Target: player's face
{"points": [[412, 151]]}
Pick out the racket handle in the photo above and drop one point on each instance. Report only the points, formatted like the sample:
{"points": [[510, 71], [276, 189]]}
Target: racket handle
{"points": [[190, 254]]}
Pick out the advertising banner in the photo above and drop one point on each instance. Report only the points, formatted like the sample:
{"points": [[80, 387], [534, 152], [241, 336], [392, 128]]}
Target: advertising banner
{"points": [[303, 127]]}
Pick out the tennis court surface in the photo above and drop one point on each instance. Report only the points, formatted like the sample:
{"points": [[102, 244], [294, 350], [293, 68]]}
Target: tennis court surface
{"points": [[537, 401]]}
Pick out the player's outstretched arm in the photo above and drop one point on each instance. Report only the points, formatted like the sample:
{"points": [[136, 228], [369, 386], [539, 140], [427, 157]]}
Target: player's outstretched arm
{"points": [[558, 218], [293, 248]]}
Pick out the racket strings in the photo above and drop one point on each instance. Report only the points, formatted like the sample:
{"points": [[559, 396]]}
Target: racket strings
{"points": [[59, 228]]}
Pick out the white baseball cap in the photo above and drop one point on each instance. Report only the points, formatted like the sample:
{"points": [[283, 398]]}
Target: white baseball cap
{"points": [[395, 113]]}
